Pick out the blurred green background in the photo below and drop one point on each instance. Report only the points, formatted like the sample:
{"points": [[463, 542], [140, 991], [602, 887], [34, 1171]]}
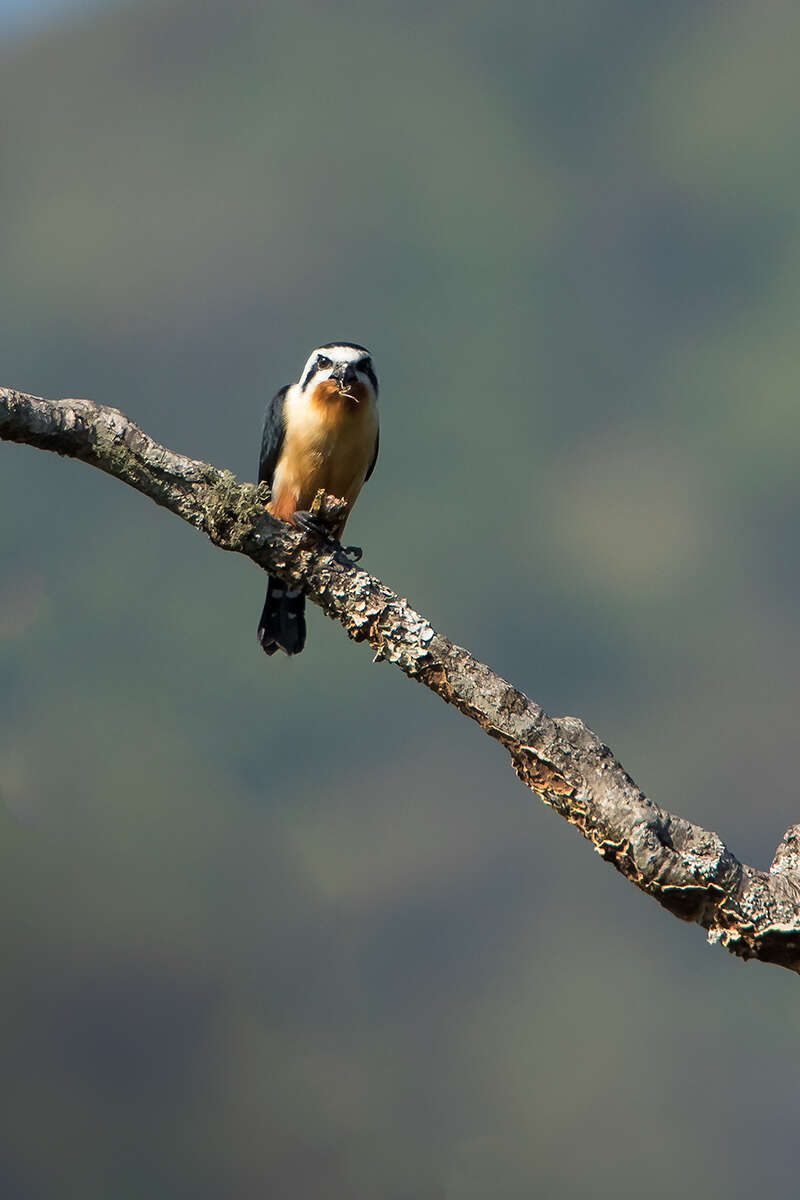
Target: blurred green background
{"points": [[292, 929]]}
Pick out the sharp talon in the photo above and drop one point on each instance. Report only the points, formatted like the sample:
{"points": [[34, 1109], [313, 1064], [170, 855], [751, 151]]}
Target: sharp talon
{"points": [[308, 523], [344, 557]]}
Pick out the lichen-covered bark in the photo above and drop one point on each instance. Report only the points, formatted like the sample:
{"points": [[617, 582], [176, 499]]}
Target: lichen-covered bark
{"points": [[689, 870]]}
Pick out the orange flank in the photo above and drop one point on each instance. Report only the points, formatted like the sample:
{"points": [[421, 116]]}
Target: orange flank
{"points": [[283, 504]]}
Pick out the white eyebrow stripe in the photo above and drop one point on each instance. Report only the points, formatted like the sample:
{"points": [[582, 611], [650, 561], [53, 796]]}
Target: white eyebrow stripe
{"points": [[337, 354], [342, 353]]}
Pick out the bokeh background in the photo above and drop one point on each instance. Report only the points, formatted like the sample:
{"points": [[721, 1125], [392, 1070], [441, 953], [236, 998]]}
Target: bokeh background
{"points": [[293, 929]]}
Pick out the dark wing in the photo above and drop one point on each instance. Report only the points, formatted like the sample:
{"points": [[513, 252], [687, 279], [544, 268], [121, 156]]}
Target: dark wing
{"points": [[374, 457], [272, 438]]}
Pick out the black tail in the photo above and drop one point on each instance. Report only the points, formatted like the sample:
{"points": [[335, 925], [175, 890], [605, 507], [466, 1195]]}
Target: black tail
{"points": [[283, 621]]}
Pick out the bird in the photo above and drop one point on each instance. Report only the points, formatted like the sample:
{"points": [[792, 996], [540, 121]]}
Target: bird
{"points": [[321, 432]]}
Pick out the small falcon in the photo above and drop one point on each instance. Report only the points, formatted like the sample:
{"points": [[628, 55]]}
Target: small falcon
{"points": [[321, 432]]}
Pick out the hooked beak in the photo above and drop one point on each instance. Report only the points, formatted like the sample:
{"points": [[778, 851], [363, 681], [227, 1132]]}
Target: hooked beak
{"points": [[345, 376]]}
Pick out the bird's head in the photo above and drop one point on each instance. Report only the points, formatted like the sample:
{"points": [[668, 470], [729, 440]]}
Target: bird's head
{"points": [[340, 369]]}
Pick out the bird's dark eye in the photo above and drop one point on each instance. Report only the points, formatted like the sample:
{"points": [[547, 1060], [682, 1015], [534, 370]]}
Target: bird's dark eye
{"points": [[323, 362]]}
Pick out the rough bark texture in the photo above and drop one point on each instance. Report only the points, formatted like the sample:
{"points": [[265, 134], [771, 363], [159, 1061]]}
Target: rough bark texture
{"points": [[689, 870]]}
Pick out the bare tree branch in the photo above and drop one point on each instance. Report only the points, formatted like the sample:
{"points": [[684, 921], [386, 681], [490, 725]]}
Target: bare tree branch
{"points": [[689, 870]]}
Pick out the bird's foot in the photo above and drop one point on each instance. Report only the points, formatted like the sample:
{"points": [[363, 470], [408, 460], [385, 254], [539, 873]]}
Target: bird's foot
{"points": [[347, 555], [308, 522]]}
